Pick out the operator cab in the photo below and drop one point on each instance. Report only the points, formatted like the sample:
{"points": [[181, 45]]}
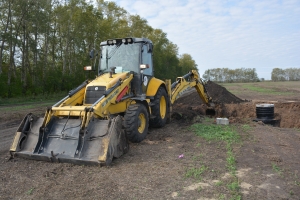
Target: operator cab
{"points": [[126, 55], [133, 55]]}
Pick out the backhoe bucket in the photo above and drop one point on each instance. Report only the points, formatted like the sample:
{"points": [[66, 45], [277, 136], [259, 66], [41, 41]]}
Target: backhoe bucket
{"points": [[62, 140]]}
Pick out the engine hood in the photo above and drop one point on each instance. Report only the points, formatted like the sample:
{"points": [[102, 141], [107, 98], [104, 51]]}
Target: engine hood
{"points": [[105, 80]]}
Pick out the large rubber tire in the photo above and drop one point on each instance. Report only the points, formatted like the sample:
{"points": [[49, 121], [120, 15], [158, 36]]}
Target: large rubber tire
{"points": [[160, 108], [136, 122]]}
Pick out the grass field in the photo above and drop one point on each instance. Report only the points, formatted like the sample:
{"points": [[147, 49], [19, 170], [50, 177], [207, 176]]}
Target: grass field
{"points": [[288, 90]]}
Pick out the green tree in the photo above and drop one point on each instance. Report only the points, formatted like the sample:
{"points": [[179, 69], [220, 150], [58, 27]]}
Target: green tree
{"points": [[230, 75], [186, 63], [278, 75], [292, 74], [44, 44]]}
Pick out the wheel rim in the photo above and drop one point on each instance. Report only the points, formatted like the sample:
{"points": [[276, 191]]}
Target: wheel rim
{"points": [[163, 107], [142, 123]]}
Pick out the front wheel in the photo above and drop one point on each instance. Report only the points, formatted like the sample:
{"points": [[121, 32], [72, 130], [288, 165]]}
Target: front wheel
{"points": [[136, 122], [160, 108]]}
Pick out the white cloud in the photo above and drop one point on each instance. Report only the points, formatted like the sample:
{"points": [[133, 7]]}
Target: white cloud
{"points": [[233, 33]]}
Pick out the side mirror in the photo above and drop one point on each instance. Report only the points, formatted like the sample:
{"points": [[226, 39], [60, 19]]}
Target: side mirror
{"points": [[92, 54], [150, 47]]}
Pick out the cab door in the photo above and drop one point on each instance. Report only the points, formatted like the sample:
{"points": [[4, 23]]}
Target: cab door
{"points": [[147, 59]]}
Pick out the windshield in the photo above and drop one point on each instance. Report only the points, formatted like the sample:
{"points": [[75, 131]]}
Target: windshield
{"points": [[125, 57]]}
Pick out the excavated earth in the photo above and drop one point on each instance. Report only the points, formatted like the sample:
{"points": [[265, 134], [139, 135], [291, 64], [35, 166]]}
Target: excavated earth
{"points": [[237, 109], [267, 158]]}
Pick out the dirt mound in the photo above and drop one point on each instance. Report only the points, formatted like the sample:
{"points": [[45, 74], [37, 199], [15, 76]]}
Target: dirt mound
{"points": [[220, 94], [190, 105], [189, 108]]}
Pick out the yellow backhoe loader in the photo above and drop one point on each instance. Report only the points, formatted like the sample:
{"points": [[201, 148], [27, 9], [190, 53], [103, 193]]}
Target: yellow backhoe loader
{"points": [[93, 123]]}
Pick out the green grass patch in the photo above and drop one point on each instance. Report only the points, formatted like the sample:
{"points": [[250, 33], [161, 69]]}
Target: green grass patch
{"points": [[219, 133], [265, 90], [196, 172], [216, 132], [25, 107], [276, 168], [230, 160], [29, 192], [233, 186], [227, 134], [266, 87], [46, 98], [246, 127], [219, 183]]}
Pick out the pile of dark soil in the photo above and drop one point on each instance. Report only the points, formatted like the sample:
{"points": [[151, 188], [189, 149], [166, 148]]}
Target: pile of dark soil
{"points": [[187, 107], [220, 94]]}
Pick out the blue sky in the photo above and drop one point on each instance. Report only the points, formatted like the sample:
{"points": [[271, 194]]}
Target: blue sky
{"points": [[261, 34]]}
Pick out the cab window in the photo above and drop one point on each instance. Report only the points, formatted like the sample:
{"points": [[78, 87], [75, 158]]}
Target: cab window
{"points": [[147, 59]]}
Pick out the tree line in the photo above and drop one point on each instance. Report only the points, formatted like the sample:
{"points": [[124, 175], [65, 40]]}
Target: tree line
{"points": [[249, 75], [231, 75], [45, 44], [289, 74]]}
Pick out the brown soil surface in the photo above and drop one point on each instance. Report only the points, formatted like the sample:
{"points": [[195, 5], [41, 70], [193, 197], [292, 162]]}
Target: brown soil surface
{"points": [[267, 159]]}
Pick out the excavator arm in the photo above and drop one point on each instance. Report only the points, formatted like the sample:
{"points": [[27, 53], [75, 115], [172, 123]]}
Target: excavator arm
{"points": [[187, 81]]}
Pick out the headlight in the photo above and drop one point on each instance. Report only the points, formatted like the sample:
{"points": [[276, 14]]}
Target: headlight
{"points": [[87, 68], [127, 40]]}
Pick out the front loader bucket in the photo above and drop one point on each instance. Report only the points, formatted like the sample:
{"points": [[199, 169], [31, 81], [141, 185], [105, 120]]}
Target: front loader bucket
{"points": [[63, 140]]}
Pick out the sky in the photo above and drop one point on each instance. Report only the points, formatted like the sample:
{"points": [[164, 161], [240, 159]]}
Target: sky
{"points": [[260, 34]]}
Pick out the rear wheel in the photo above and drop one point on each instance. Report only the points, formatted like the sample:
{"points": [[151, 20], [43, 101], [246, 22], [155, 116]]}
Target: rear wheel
{"points": [[136, 122], [160, 108]]}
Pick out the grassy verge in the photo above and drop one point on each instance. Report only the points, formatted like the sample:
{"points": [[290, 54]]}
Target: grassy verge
{"points": [[229, 136], [46, 98], [26, 107], [270, 88]]}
